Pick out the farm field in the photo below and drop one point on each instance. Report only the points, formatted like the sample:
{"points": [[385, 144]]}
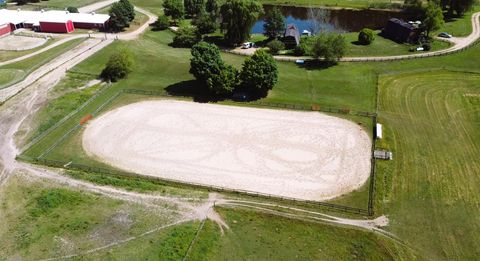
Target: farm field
{"points": [[263, 236], [42, 219], [429, 108], [433, 120], [23, 68]]}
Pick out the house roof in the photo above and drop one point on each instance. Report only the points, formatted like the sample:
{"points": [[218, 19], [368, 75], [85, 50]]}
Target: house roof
{"points": [[35, 17], [292, 31], [402, 23]]}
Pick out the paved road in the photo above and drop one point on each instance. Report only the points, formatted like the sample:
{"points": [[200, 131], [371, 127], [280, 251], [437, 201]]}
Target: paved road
{"points": [[459, 43]]}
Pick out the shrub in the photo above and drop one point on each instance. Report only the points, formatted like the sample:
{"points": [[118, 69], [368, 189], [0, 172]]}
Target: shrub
{"points": [[366, 36], [300, 49], [275, 46], [186, 37], [330, 47], [72, 9], [118, 66], [162, 23], [427, 47]]}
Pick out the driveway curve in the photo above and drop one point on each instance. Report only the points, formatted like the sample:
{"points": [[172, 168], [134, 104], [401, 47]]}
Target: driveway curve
{"points": [[459, 43]]}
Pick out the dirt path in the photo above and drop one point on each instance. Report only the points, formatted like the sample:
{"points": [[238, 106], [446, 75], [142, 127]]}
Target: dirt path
{"points": [[459, 43]]}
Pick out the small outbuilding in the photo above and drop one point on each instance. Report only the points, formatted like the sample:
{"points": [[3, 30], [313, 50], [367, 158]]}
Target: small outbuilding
{"points": [[378, 131], [401, 31], [291, 38]]}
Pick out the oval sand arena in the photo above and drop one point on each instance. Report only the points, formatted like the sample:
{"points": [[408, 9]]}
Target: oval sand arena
{"points": [[302, 155]]}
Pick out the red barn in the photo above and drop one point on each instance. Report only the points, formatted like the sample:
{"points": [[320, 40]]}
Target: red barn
{"points": [[5, 29], [56, 26]]}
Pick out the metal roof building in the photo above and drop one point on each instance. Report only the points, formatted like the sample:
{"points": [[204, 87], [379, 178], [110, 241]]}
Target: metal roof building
{"points": [[45, 20]]}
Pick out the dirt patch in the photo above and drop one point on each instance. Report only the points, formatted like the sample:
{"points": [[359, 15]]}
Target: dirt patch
{"points": [[303, 155], [21, 43]]}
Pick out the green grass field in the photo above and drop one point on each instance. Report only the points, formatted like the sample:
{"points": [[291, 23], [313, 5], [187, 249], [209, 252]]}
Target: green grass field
{"points": [[17, 71], [430, 117], [42, 220], [433, 119], [260, 236], [54, 4]]}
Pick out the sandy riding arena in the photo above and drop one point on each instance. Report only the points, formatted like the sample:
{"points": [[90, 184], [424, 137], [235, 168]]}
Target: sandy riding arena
{"points": [[20, 43], [303, 155]]}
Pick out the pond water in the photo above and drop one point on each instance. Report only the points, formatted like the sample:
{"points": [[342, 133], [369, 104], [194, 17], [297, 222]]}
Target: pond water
{"points": [[332, 20]]}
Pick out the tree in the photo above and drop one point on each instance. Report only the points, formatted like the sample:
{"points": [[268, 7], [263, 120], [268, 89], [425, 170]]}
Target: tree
{"points": [[119, 18], [194, 7], [459, 7], [72, 9], [225, 82], [366, 36], [259, 73], [174, 9], [206, 24], [207, 66], [433, 18], [274, 23], [238, 17], [118, 66], [162, 23], [212, 7], [186, 37], [128, 9], [330, 47], [275, 46]]}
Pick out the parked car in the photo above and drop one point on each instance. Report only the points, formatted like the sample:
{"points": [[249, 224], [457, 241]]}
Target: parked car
{"points": [[247, 45], [445, 35]]}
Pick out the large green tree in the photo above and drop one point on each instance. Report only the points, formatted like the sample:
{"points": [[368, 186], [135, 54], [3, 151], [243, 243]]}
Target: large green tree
{"points": [[259, 73], [212, 7], [238, 17], [118, 66], [128, 9], [174, 9], [330, 47], [274, 23], [457, 7], [194, 7], [119, 17], [433, 18], [207, 66]]}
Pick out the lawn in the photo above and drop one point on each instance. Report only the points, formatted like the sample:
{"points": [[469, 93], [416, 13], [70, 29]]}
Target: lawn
{"points": [[42, 220], [25, 67], [432, 185], [461, 26], [259, 236], [383, 47], [55, 4]]}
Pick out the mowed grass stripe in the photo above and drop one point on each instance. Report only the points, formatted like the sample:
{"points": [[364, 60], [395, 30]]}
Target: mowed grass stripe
{"points": [[436, 169]]}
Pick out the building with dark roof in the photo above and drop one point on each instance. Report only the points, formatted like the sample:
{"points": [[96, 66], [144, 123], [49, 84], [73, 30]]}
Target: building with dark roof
{"points": [[291, 38], [401, 31]]}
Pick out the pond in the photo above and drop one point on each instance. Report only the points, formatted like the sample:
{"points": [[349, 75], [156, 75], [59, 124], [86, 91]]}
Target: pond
{"points": [[332, 20]]}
